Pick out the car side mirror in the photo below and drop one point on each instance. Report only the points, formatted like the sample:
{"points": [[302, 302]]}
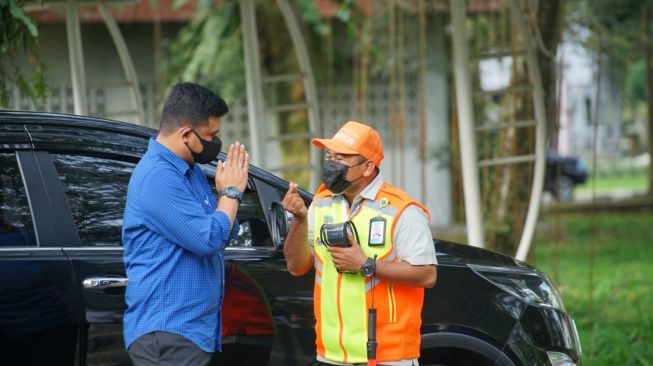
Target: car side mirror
{"points": [[280, 223]]}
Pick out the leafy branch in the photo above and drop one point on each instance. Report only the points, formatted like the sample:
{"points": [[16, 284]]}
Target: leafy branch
{"points": [[209, 49], [19, 34]]}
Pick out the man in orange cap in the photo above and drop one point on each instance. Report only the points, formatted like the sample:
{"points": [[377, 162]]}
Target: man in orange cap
{"points": [[389, 263]]}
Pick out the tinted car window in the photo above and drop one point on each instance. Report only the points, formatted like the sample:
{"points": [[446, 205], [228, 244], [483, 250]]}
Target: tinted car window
{"points": [[96, 189], [253, 227], [16, 227]]}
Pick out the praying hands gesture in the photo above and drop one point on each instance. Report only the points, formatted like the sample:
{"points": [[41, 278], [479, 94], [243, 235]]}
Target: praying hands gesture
{"points": [[234, 170]]}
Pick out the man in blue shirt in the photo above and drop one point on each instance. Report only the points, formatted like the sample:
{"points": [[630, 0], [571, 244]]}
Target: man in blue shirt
{"points": [[175, 232]]}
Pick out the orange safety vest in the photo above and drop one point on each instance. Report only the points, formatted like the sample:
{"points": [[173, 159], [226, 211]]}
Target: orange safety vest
{"points": [[342, 300]]}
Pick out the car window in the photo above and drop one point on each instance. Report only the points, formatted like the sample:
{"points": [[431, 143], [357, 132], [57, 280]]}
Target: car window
{"points": [[96, 189], [16, 226], [253, 227]]}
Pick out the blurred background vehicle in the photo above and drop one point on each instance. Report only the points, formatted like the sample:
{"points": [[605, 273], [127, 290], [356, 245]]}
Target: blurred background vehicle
{"points": [[563, 174]]}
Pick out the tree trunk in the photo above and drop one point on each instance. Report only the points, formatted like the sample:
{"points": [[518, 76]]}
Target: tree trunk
{"points": [[550, 20]]}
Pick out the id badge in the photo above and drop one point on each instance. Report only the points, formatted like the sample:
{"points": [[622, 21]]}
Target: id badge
{"points": [[377, 231]]}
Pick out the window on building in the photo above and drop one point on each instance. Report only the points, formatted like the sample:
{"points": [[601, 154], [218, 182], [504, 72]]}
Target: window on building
{"points": [[588, 111]]}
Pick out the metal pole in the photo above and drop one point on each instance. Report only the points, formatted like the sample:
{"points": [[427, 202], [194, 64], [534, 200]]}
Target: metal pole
{"points": [[464, 106], [255, 101], [308, 79], [540, 133], [76, 56], [126, 60]]}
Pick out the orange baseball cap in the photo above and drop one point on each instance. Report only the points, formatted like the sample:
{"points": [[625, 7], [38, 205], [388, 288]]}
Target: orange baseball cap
{"points": [[355, 138]]}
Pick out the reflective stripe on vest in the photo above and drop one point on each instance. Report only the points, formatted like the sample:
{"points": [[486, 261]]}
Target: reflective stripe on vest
{"points": [[341, 300]]}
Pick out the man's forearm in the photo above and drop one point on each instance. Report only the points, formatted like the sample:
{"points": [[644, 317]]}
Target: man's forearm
{"points": [[295, 249], [407, 274], [230, 207]]}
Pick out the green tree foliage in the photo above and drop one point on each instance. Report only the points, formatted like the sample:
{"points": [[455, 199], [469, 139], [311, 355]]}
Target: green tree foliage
{"points": [[19, 35], [620, 24], [209, 50], [311, 15], [635, 82]]}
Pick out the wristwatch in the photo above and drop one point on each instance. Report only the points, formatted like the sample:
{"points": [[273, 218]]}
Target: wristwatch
{"points": [[368, 269], [233, 192]]}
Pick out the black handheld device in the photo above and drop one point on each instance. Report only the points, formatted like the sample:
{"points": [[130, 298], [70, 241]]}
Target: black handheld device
{"points": [[336, 235]]}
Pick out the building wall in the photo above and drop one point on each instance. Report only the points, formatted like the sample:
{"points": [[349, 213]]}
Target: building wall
{"points": [[579, 105], [107, 89]]}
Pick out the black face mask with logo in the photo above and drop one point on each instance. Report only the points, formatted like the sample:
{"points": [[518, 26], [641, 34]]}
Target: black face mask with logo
{"points": [[210, 150], [333, 175]]}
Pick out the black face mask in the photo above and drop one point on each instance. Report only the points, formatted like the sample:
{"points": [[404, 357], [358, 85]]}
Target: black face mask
{"points": [[333, 175], [210, 150]]}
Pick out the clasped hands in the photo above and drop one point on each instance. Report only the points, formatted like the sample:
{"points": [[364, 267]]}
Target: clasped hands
{"points": [[234, 170]]}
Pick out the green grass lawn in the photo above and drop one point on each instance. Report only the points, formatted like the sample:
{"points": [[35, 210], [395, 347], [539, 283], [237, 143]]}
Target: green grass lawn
{"points": [[616, 325], [637, 183]]}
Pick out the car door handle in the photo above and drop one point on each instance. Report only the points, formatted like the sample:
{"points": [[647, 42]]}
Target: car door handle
{"points": [[101, 283]]}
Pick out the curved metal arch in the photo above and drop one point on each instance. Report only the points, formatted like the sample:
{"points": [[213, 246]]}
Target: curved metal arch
{"points": [[125, 60], [540, 133], [78, 74], [255, 102], [470, 167], [471, 185], [308, 79], [253, 82]]}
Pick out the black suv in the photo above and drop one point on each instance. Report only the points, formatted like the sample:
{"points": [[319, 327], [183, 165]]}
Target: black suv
{"points": [[62, 278]]}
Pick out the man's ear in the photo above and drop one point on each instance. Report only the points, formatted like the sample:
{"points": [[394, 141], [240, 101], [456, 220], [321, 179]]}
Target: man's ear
{"points": [[369, 168], [184, 132]]}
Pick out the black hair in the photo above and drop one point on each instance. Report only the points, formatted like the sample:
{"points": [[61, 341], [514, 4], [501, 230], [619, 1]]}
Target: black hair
{"points": [[190, 104]]}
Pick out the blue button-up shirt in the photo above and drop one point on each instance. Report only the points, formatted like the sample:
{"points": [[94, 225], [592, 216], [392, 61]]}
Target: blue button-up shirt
{"points": [[174, 242]]}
